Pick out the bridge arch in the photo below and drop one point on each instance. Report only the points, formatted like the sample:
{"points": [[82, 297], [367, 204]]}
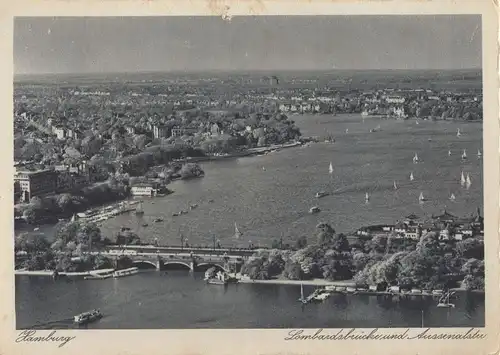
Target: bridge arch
{"points": [[176, 263], [206, 266], [144, 264]]}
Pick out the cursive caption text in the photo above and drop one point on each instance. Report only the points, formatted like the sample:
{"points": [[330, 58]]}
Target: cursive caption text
{"points": [[31, 336], [376, 334]]}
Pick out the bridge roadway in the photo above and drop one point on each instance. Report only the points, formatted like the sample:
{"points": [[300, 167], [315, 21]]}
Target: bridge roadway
{"points": [[193, 258], [242, 252]]}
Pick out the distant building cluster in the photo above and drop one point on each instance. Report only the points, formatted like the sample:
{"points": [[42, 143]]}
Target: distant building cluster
{"points": [[448, 226]]}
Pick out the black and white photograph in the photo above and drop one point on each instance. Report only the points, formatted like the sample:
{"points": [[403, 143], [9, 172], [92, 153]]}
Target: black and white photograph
{"points": [[264, 172]]}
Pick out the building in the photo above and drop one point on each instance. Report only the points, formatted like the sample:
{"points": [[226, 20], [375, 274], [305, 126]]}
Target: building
{"points": [[159, 131], [59, 131], [143, 190], [36, 183]]}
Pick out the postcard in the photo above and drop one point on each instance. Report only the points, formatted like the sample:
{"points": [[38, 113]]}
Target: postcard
{"points": [[240, 178]]}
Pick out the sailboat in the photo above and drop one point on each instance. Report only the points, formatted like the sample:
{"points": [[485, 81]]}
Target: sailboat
{"points": [[452, 197], [395, 186], [346, 130], [302, 298], [468, 182], [444, 301], [415, 158], [479, 154], [449, 153], [458, 132], [367, 197], [421, 198], [139, 210], [330, 168], [237, 233], [264, 168], [464, 154], [411, 177], [462, 179]]}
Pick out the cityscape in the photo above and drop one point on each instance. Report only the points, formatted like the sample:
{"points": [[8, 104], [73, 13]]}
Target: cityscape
{"points": [[247, 197]]}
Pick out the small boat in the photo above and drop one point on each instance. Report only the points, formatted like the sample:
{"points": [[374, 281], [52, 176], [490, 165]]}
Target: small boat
{"points": [[36, 229], [411, 177], [193, 206], [330, 168], [452, 197], [302, 299], [321, 194], [415, 159], [210, 201], [123, 229], [263, 168], [395, 186], [314, 209], [468, 181], [479, 154], [237, 233], [139, 210], [175, 214], [462, 179], [99, 276], [421, 198], [458, 132], [464, 155], [125, 272], [219, 279], [145, 224], [444, 301], [183, 212], [158, 220], [88, 317]]}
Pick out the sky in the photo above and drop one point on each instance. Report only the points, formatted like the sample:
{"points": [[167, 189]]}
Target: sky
{"points": [[135, 44]]}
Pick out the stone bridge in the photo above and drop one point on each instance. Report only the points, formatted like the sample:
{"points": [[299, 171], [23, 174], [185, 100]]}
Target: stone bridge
{"points": [[191, 261]]}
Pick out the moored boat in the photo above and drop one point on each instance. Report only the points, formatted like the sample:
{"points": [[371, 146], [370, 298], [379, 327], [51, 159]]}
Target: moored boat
{"points": [[125, 272]]}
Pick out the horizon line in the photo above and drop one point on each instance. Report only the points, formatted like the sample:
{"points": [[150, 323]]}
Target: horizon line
{"points": [[239, 71]]}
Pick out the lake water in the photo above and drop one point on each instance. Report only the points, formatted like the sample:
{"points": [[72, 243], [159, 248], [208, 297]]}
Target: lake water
{"points": [[182, 300], [268, 203]]}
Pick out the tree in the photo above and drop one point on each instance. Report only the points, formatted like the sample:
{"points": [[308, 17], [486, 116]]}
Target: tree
{"points": [[301, 242], [292, 270], [324, 233], [471, 248], [340, 243], [190, 170]]}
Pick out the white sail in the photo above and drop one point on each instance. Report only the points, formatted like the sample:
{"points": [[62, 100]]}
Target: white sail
{"points": [[415, 158], [301, 291], [421, 197], [395, 186], [462, 178], [452, 197], [367, 197], [464, 154], [330, 168], [411, 177], [449, 153], [458, 132], [479, 154], [468, 181], [237, 232], [347, 130]]}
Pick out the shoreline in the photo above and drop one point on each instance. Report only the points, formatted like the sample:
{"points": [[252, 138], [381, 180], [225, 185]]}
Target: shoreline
{"points": [[313, 282]]}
